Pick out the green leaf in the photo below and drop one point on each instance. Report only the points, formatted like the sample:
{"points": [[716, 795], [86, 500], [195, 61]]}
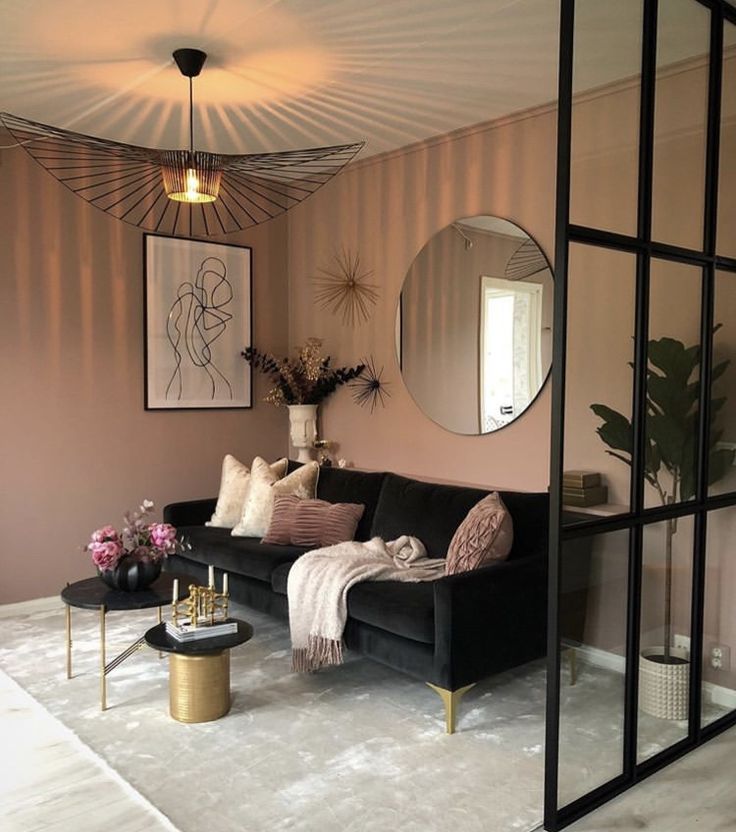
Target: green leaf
{"points": [[671, 397], [616, 428], [719, 369], [719, 462], [669, 436], [671, 356]]}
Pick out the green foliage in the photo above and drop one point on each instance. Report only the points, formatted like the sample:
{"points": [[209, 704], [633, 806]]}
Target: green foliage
{"points": [[671, 423]]}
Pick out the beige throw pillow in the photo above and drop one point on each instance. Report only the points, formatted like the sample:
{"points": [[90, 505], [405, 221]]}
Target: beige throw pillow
{"points": [[264, 487], [485, 536], [234, 489]]}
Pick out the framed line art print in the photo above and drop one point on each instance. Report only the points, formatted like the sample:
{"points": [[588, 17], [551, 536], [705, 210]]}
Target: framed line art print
{"points": [[198, 319]]}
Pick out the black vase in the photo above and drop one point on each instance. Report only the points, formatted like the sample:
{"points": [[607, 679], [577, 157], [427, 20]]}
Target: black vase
{"points": [[130, 574]]}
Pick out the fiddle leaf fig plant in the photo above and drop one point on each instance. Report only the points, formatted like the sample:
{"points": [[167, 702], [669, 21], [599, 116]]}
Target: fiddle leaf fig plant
{"points": [[671, 437]]}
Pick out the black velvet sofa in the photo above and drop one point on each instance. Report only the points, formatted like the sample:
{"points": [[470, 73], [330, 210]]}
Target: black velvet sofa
{"points": [[451, 632]]}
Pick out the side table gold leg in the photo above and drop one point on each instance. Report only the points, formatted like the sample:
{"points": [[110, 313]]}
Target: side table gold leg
{"points": [[160, 620], [103, 678], [68, 642]]}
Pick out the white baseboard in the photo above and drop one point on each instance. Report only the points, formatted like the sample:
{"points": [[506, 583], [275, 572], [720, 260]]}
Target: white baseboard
{"points": [[718, 695]]}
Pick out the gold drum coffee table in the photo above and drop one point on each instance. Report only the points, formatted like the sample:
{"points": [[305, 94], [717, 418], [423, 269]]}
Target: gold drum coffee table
{"points": [[199, 671]]}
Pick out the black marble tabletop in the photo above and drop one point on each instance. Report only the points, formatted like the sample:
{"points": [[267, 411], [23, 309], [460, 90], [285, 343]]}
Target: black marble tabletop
{"points": [[158, 638], [92, 593]]}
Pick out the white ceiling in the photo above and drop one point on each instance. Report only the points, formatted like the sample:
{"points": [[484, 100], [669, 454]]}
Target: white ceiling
{"points": [[293, 73]]}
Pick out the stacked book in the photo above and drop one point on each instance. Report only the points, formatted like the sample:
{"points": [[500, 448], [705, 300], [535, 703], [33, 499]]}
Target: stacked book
{"points": [[583, 488], [185, 632]]}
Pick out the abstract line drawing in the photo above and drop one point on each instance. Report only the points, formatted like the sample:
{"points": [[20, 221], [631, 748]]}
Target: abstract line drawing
{"points": [[345, 289], [370, 388], [196, 320]]}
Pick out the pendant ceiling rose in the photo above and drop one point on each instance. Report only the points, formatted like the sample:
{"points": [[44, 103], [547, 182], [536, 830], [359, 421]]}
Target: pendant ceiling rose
{"points": [[180, 192]]}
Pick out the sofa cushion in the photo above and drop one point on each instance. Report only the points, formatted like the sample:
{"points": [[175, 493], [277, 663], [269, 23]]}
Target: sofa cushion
{"points": [[241, 555], [346, 485], [314, 523], [485, 535], [429, 511], [405, 609]]}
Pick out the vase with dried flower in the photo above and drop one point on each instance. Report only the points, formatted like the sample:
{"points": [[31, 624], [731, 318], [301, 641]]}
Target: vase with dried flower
{"points": [[301, 384]]}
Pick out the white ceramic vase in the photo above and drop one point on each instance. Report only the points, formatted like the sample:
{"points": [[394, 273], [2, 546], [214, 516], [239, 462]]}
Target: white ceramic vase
{"points": [[303, 429]]}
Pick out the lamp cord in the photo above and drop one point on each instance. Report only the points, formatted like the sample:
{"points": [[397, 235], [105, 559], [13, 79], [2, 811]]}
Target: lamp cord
{"points": [[191, 120]]}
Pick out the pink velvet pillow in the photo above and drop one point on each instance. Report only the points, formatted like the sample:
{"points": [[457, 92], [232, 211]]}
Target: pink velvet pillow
{"points": [[485, 536], [312, 522]]}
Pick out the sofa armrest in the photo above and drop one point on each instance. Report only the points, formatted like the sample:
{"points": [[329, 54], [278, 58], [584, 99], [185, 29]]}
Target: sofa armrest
{"points": [[190, 513], [489, 620]]}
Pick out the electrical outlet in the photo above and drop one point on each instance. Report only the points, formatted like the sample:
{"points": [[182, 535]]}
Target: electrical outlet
{"points": [[681, 642], [720, 657]]}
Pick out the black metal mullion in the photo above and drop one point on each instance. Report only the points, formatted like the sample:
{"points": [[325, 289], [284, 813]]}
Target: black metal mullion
{"points": [[710, 220], [562, 221]]}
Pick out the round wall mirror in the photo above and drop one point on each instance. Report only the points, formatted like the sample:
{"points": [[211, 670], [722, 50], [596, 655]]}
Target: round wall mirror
{"points": [[474, 325]]}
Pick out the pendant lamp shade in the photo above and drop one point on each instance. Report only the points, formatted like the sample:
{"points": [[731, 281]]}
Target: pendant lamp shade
{"points": [[179, 192]]}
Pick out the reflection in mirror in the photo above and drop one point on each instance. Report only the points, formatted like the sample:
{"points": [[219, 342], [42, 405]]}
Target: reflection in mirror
{"points": [[474, 325]]}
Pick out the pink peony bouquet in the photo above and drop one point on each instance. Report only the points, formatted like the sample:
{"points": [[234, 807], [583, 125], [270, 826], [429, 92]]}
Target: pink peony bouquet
{"points": [[139, 539]]}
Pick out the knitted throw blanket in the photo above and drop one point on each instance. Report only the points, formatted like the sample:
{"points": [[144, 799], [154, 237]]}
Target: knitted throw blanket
{"points": [[318, 587]]}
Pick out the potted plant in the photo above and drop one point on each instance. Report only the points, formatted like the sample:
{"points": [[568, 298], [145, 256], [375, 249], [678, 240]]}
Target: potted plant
{"points": [[669, 468], [301, 384]]}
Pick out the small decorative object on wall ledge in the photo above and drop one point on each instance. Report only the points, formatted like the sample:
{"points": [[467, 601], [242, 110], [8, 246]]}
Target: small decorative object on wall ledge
{"points": [[301, 384], [131, 560], [370, 388], [671, 424], [344, 290], [180, 192], [198, 316]]}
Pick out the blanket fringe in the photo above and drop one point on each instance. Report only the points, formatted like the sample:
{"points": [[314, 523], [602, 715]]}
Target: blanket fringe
{"points": [[319, 652]]}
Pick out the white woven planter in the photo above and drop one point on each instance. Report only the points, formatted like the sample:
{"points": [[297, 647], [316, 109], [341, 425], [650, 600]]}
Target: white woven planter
{"points": [[664, 688]]}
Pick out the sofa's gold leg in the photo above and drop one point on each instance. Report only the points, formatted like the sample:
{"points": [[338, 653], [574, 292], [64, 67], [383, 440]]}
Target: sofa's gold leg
{"points": [[573, 657], [450, 699]]}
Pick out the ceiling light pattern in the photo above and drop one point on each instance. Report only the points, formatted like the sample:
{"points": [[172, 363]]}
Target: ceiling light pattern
{"points": [[127, 181], [526, 261]]}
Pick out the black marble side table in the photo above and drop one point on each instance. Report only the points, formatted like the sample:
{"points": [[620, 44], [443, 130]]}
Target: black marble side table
{"points": [[93, 594]]}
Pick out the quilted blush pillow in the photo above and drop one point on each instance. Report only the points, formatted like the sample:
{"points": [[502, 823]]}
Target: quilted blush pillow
{"points": [[485, 536], [314, 523]]}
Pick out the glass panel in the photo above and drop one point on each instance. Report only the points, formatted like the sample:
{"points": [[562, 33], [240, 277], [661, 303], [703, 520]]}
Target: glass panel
{"points": [[605, 115], [726, 244], [719, 633], [673, 384], [722, 473], [665, 635], [600, 347], [594, 589], [681, 99]]}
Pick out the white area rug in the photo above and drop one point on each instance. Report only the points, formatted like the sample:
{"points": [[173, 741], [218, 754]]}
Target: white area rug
{"points": [[358, 747]]}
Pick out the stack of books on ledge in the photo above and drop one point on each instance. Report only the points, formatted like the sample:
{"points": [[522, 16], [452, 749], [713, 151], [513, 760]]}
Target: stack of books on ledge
{"points": [[185, 632], [583, 488]]}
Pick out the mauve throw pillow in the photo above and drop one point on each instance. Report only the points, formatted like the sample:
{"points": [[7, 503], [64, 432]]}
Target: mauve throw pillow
{"points": [[312, 523], [485, 536]]}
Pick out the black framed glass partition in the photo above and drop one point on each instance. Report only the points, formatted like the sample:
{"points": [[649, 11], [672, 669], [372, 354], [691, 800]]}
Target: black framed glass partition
{"points": [[643, 481]]}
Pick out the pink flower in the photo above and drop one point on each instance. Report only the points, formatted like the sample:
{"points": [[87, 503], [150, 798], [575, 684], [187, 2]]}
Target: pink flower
{"points": [[107, 554], [163, 536], [103, 534]]}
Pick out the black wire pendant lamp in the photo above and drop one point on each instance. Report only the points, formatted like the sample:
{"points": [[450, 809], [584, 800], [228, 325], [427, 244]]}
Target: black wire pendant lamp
{"points": [[179, 192]]}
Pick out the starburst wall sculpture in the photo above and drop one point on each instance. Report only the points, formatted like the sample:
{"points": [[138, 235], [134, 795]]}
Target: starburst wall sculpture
{"points": [[345, 289], [369, 388]]}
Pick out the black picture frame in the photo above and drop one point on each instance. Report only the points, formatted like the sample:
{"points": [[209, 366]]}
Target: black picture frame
{"points": [[197, 318]]}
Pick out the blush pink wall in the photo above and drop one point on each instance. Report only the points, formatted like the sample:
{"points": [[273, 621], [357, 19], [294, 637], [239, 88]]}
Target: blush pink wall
{"points": [[386, 209], [77, 447]]}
